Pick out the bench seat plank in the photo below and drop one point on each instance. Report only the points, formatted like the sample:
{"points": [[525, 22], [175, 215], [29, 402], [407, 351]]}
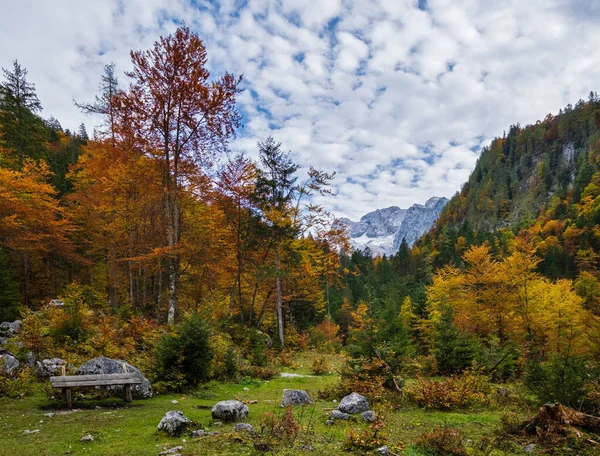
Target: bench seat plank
{"points": [[66, 382], [99, 377], [73, 384]]}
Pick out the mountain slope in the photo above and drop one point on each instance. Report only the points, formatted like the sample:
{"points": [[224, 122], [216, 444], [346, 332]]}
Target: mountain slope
{"points": [[541, 183], [382, 230]]}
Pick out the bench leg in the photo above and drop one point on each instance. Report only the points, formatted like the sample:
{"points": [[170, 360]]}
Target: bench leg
{"points": [[67, 396], [127, 391]]}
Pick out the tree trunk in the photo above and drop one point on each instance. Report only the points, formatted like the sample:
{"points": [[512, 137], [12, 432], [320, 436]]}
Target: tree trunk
{"points": [[131, 284], [173, 290], [278, 289]]}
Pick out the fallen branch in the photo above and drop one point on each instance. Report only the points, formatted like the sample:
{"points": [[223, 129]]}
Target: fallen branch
{"points": [[558, 419]]}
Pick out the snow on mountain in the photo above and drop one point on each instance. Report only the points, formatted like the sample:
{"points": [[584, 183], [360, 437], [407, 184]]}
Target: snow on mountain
{"points": [[382, 230]]}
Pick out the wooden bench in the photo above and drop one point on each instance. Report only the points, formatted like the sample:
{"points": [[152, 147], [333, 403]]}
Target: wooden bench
{"points": [[66, 382]]}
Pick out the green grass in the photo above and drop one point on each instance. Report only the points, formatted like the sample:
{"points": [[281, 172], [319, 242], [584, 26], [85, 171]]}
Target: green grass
{"points": [[121, 429]]}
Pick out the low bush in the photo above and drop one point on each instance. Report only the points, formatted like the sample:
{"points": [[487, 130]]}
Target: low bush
{"points": [[371, 438], [560, 380], [369, 377], [470, 388], [262, 373], [320, 366], [19, 385], [325, 335], [286, 359], [442, 441], [186, 355]]}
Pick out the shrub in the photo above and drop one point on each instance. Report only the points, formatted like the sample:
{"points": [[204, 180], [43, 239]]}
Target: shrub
{"points": [[231, 363], [295, 340], [262, 373], [320, 366], [462, 391], [367, 439], [71, 323], [559, 380], [225, 359], [187, 352], [17, 386], [454, 351], [368, 377], [287, 428], [258, 348], [442, 441], [325, 335], [286, 359]]}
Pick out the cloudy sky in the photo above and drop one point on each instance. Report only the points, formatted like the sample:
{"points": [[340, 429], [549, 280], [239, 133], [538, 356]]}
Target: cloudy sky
{"points": [[396, 96]]}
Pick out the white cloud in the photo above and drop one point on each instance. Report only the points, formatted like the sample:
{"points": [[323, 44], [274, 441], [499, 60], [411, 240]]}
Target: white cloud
{"points": [[392, 97]]}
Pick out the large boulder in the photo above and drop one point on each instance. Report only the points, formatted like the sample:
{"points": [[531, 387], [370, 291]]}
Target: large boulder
{"points": [[295, 397], [48, 367], [353, 403], [104, 365], [8, 363], [174, 422], [10, 328], [229, 411]]}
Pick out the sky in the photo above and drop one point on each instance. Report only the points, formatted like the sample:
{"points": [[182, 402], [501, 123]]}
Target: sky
{"points": [[396, 96]]}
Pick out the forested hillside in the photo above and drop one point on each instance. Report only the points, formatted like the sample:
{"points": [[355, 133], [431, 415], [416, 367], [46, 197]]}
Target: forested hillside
{"points": [[538, 182]]}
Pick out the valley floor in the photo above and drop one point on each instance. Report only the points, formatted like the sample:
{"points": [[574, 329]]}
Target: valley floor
{"points": [[132, 429]]}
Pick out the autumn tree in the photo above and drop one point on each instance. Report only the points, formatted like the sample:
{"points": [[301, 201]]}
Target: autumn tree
{"points": [[172, 109], [235, 187], [32, 223]]}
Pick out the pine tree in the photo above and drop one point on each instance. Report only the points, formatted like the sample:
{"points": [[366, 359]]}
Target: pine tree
{"points": [[104, 103], [19, 105], [275, 190]]}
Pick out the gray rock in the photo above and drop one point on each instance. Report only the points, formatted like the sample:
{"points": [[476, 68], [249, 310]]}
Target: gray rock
{"points": [[50, 415], [3, 341], [529, 448], [354, 403], [308, 447], [30, 359], [104, 365], [337, 415], [174, 422], [27, 431], [9, 329], [196, 434], [56, 303], [217, 424], [243, 427], [383, 450], [295, 397], [48, 367], [9, 364], [229, 411], [329, 422], [87, 438], [368, 416], [171, 451]]}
